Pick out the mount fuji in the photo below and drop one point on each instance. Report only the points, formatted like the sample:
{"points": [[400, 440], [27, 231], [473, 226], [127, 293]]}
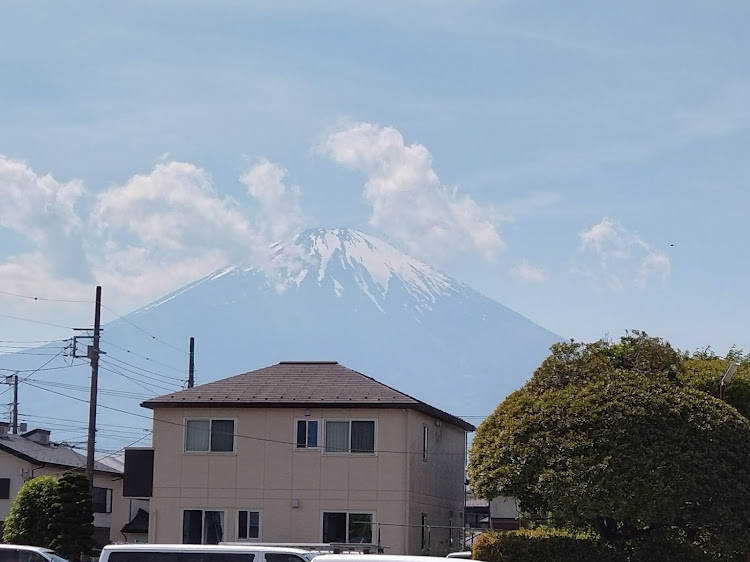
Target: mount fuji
{"points": [[331, 294]]}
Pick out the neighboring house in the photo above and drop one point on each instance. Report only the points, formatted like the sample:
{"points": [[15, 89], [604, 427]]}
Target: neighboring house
{"points": [[31, 454], [306, 452]]}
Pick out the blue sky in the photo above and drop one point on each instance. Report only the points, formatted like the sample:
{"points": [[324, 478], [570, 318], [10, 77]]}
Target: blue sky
{"points": [[584, 164]]}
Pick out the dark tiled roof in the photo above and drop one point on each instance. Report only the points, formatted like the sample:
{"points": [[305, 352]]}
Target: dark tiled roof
{"points": [[139, 524], [57, 455], [299, 384]]}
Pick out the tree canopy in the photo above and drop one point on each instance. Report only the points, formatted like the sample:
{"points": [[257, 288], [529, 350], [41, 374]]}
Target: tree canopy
{"points": [[625, 440], [53, 513], [30, 514]]}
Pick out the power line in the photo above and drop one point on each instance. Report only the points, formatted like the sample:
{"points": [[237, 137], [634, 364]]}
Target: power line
{"points": [[168, 378], [29, 297], [109, 392], [77, 421], [112, 369], [36, 321], [44, 369], [153, 337], [154, 361], [238, 435]]}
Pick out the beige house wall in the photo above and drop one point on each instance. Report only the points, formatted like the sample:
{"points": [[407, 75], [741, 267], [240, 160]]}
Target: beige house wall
{"points": [[19, 470], [435, 485], [291, 487]]}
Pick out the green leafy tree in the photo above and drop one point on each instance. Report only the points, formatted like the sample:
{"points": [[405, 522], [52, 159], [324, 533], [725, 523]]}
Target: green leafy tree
{"points": [[73, 516], [704, 373], [613, 438], [30, 514]]}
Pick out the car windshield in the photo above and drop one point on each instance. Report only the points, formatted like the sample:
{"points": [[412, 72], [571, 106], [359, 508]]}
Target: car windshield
{"points": [[54, 556], [310, 555]]}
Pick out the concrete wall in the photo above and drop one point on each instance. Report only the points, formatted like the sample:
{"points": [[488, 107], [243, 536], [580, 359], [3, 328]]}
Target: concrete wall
{"points": [[293, 487]]}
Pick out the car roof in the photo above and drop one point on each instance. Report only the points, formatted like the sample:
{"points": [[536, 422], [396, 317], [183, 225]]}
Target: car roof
{"points": [[205, 548], [24, 547]]}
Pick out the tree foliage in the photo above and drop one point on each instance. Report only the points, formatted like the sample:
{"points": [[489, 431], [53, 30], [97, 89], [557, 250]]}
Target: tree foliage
{"points": [[621, 439], [73, 525], [31, 512], [53, 513]]}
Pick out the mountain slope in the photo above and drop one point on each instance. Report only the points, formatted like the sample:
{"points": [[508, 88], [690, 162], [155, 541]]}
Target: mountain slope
{"points": [[337, 294]]}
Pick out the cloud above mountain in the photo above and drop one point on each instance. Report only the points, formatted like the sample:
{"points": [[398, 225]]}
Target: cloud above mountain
{"points": [[43, 211], [618, 257], [408, 200]]}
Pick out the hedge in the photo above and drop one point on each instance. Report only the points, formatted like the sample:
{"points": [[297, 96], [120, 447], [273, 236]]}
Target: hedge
{"points": [[541, 545]]}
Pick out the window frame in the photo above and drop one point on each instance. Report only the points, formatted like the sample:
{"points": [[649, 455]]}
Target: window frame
{"points": [[107, 499], [210, 427], [260, 524], [307, 434], [425, 442], [349, 452], [349, 512], [203, 511]]}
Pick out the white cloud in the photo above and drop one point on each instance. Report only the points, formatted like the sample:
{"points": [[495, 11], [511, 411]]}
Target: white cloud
{"points": [[42, 210], [280, 215], [174, 208], [408, 200], [527, 272], [155, 232], [620, 256]]}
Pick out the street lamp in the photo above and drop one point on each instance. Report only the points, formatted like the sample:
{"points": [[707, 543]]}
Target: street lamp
{"points": [[725, 378]]}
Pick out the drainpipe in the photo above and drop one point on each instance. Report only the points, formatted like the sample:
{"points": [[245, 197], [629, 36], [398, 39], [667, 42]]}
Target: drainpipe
{"points": [[37, 468]]}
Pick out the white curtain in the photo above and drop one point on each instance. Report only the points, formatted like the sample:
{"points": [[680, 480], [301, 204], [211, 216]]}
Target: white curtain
{"points": [[197, 433], [337, 436]]}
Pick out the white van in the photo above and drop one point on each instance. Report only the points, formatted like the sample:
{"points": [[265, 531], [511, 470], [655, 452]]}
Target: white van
{"points": [[24, 553], [376, 558], [202, 553]]}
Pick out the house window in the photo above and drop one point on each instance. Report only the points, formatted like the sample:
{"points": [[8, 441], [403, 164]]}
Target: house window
{"points": [[307, 434], [424, 442], [345, 527], [215, 436], [350, 436], [201, 526], [248, 524], [425, 532], [4, 488], [102, 500]]}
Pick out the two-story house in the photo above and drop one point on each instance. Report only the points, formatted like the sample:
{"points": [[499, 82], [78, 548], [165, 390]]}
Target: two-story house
{"points": [[306, 452], [31, 453]]}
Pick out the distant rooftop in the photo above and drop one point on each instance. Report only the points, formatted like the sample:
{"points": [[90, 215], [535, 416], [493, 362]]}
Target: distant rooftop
{"points": [[48, 454], [300, 384]]}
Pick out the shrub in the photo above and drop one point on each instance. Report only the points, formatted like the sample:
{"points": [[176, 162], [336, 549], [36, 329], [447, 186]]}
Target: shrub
{"points": [[541, 545]]}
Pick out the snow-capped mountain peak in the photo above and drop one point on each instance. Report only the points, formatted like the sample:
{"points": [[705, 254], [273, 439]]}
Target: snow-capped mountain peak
{"points": [[374, 264]]}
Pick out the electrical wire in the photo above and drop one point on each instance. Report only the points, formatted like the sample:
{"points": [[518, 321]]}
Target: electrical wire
{"points": [[29, 297], [153, 337], [109, 356], [238, 435], [36, 321], [141, 356], [112, 369]]}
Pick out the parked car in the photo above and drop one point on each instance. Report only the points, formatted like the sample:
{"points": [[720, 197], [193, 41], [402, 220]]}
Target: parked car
{"points": [[202, 553], [25, 553], [466, 554]]}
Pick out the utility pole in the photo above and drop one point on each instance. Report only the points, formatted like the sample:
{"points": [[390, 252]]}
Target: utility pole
{"points": [[191, 365], [93, 354], [15, 404]]}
